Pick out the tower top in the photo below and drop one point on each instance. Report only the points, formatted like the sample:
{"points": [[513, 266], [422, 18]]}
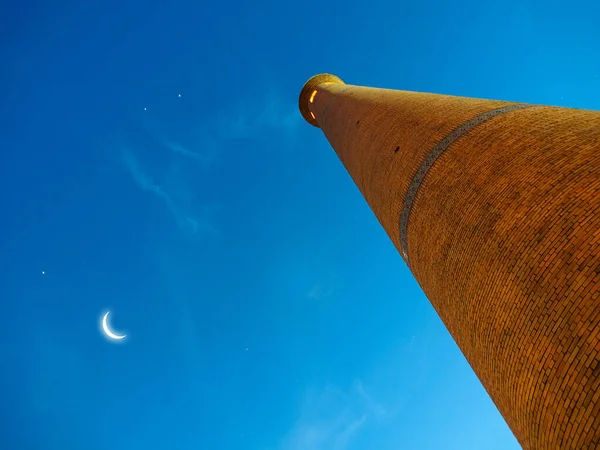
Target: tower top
{"points": [[307, 91]]}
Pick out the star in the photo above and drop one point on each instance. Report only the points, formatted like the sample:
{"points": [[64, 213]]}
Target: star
{"points": [[145, 109], [178, 95], [43, 272]]}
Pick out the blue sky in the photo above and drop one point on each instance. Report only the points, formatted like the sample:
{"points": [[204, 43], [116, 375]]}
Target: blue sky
{"points": [[153, 163]]}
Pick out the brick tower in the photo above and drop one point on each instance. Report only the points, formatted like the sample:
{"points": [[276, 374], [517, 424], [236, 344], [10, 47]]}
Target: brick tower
{"points": [[495, 208]]}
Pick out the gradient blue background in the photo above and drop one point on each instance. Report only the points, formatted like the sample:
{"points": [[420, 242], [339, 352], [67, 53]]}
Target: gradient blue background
{"points": [[264, 305]]}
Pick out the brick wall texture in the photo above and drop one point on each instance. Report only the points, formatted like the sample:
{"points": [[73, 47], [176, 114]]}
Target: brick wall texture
{"points": [[502, 235]]}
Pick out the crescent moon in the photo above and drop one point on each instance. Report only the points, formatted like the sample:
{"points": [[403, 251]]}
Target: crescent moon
{"points": [[107, 330]]}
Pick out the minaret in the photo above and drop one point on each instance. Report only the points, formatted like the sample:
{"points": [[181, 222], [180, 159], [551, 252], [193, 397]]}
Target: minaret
{"points": [[495, 208]]}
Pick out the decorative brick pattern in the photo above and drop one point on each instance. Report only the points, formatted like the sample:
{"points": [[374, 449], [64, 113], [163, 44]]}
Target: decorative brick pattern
{"points": [[504, 238], [431, 159]]}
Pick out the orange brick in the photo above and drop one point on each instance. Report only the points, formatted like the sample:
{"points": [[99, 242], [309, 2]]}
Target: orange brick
{"points": [[495, 208]]}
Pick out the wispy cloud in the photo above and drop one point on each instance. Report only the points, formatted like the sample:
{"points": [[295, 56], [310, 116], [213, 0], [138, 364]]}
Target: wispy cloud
{"points": [[320, 291], [269, 116], [325, 287], [145, 182], [207, 153], [332, 419], [253, 117]]}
